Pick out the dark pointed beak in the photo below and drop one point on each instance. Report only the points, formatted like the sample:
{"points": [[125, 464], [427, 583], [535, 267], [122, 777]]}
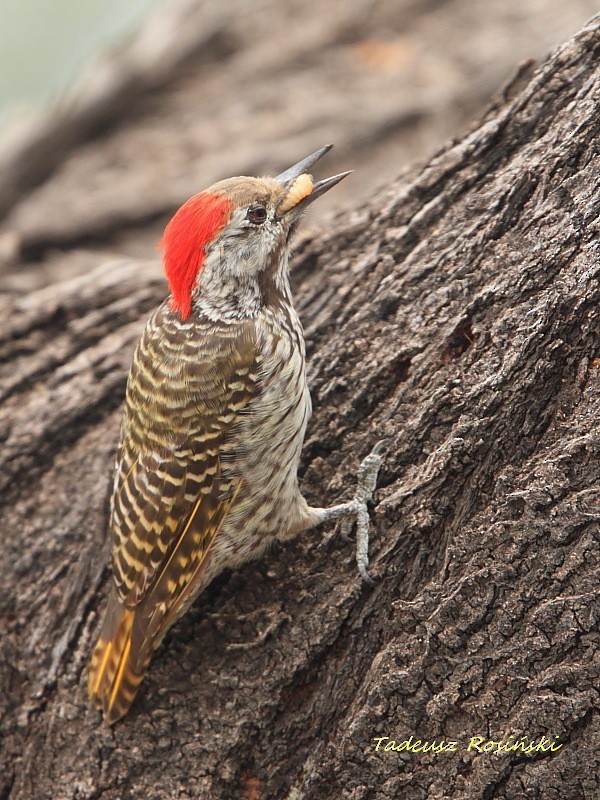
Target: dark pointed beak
{"points": [[319, 188], [302, 166]]}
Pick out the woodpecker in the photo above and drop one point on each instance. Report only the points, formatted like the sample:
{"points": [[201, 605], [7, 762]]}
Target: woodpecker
{"points": [[215, 415]]}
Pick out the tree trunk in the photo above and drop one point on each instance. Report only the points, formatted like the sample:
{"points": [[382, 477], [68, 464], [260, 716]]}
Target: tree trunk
{"points": [[457, 316]]}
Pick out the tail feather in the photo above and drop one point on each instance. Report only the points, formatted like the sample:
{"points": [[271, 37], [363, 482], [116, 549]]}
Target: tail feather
{"points": [[112, 679]]}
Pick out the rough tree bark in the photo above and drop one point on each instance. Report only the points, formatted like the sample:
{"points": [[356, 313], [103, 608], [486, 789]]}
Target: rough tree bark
{"points": [[458, 316]]}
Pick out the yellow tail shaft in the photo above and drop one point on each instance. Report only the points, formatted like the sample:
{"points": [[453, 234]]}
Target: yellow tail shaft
{"points": [[112, 681]]}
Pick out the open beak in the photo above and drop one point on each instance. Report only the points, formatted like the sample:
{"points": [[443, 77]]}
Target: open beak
{"points": [[290, 175]]}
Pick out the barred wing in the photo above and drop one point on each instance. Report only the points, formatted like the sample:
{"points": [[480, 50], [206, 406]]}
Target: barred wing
{"points": [[172, 490]]}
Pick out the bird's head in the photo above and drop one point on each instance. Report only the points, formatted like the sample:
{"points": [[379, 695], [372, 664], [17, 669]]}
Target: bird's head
{"points": [[233, 237]]}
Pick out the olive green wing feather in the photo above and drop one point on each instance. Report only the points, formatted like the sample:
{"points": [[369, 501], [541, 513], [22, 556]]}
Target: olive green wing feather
{"points": [[173, 488]]}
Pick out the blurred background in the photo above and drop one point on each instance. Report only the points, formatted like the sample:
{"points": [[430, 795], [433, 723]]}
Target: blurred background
{"points": [[115, 111], [43, 45]]}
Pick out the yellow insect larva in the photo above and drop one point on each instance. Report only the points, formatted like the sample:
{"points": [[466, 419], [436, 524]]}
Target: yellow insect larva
{"points": [[300, 189]]}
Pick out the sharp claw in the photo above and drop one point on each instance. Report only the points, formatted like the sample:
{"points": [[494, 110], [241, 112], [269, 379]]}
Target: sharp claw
{"points": [[346, 527], [379, 447], [357, 509], [367, 481], [365, 575], [362, 542], [367, 477]]}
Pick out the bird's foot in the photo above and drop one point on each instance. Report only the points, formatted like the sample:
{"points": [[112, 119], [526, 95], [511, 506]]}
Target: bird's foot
{"points": [[357, 511]]}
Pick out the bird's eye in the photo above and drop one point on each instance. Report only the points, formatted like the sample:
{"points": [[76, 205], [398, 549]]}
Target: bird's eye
{"points": [[257, 214]]}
